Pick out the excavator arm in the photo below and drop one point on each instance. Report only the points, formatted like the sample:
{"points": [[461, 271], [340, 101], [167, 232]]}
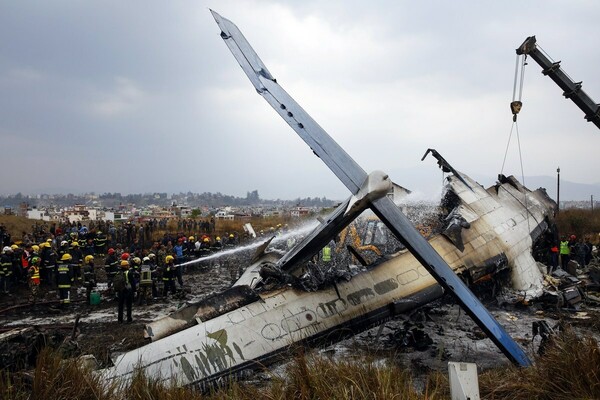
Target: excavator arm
{"points": [[572, 90]]}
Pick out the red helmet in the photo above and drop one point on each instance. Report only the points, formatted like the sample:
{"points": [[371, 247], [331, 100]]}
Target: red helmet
{"points": [[111, 251], [573, 237], [125, 256]]}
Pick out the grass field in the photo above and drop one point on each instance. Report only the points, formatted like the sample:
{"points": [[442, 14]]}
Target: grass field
{"points": [[570, 369]]}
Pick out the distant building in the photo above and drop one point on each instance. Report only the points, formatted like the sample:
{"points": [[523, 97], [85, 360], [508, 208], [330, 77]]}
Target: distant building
{"points": [[298, 212], [34, 213], [222, 214]]}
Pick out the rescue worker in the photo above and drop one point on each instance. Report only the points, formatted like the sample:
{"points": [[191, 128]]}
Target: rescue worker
{"points": [[25, 257], [231, 242], [111, 265], [326, 254], [168, 276], [64, 279], [48, 264], [89, 277], [190, 248], [5, 269], [17, 269], [100, 244], [89, 248], [77, 260], [125, 286], [34, 277], [62, 249], [217, 245], [205, 247], [145, 286], [178, 251], [154, 270], [565, 253]]}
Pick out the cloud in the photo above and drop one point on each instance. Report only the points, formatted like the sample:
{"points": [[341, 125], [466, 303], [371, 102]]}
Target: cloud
{"points": [[124, 97], [21, 76]]}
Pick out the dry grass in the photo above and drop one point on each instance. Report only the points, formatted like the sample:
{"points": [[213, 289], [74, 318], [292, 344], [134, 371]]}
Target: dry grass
{"points": [[54, 378], [17, 225], [582, 223], [570, 369]]}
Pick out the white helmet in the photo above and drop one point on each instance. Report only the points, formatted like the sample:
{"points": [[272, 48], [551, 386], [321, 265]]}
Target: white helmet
{"points": [[6, 249], [64, 243]]}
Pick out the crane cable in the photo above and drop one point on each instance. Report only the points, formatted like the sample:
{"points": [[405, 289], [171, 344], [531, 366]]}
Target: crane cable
{"points": [[515, 107]]}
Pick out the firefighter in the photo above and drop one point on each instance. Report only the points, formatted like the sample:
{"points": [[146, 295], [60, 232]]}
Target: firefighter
{"points": [[100, 244], [217, 245], [231, 242], [190, 249], [48, 264], [89, 277], [5, 269], [155, 272], [34, 277], [17, 269], [64, 279], [205, 247], [62, 249], [77, 260], [169, 276], [146, 283], [124, 285], [111, 265]]}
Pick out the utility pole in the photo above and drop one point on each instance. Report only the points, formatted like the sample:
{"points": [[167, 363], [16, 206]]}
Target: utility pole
{"points": [[557, 190], [592, 201]]}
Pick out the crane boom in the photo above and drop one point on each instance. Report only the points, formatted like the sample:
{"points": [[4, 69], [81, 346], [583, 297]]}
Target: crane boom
{"points": [[572, 90]]}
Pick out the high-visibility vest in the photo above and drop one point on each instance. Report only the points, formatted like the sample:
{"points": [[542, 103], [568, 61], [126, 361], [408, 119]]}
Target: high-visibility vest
{"points": [[326, 254], [35, 277], [64, 278], [145, 275], [564, 248]]}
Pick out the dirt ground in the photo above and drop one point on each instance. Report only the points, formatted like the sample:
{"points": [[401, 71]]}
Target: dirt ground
{"points": [[98, 332]]}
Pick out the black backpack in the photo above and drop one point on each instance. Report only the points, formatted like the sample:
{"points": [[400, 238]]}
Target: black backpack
{"points": [[119, 282]]}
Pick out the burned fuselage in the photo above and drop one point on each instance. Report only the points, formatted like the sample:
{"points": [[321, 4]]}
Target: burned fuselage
{"points": [[226, 337]]}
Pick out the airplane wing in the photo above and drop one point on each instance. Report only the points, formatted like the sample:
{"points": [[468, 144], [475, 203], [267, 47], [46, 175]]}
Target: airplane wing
{"points": [[354, 177]]}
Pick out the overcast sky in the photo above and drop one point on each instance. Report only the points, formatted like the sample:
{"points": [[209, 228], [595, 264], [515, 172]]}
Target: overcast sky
{"points": [[144, 96]]}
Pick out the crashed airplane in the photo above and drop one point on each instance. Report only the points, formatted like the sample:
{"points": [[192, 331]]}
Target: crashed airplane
{"points": [[251, 324]]}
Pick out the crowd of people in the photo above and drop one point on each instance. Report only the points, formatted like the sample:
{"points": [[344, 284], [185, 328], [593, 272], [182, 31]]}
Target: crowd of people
{"points": [[69, 256], [571, 248]]}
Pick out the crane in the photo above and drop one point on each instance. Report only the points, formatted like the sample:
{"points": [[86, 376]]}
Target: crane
{"points": [[572, 90]]}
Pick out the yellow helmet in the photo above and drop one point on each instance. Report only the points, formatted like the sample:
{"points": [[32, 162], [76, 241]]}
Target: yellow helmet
{"points": [[66, 257], [89, 258], [206, 240], [35, 248], [231, 235], [191, 238], [124, 263], [75, 244], [169, 259], [14, 247], [218, 238]]}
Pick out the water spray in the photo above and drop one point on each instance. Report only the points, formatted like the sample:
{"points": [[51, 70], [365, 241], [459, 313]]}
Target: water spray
{"points": [[300, 231]]}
